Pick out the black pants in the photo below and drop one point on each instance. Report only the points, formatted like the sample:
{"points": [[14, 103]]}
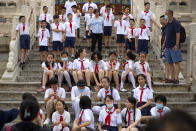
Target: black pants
{"points": [[95, 38]]}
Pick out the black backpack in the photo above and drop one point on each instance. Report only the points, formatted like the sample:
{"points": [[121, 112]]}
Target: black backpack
{"points": [[182, 34]]}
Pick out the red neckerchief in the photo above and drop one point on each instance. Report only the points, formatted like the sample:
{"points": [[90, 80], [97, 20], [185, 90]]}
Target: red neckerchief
{"points": [[108, 17], [124, 65], [43, 36], [45, 17], [106, 92], [57, 26], [70, 25], [132, 28], [142, 91], [143, 68], [23, 28], [111, 64], [129, 117], [108, 117], [61, 119], [146, 12], [96, 68], [126, 14], [82, 64], [160, 112], [82, 112], [105, 9], [40, 115], [89, 4], [120, 22], [142, 28], [62, 17], [55, 95]]}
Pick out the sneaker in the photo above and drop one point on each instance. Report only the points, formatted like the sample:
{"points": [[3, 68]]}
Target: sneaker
{"points": [[47, 121], [180, 76], [41, 90], [176, 82], [123, 90], [84, 38]]}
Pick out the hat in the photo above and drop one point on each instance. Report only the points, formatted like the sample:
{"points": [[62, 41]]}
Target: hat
{"points": [[81, 83], [53, 80]]}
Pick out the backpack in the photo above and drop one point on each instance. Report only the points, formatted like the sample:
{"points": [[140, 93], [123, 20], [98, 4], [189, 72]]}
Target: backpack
{"points": [[182, 34]]}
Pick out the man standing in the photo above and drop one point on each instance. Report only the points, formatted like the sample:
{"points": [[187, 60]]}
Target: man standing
{"points": [[173, 53]]}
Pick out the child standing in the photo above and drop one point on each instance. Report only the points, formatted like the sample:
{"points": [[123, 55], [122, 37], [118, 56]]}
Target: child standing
{"points": [[65, 67], [70, 35], [103, 9], [85, 8], [144, 95], [57, 38], [68, 6], [131, 115], [127, 16], [143, 34], [128, 67], [108, 24], [85, 122], [130, 35], [23, 29], [46, 17], [63, 16], [109, 119], [61, 118], [44, 36], [120, 26]]}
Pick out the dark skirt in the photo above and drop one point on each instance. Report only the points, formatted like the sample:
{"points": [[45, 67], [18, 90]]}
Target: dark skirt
{"points": [[145, 111]]}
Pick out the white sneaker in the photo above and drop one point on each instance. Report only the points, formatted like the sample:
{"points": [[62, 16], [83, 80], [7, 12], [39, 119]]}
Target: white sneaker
{"points": [[47, 121], [123, 90], [180, 76]]}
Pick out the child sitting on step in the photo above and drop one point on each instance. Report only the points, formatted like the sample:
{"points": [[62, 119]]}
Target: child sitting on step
{"points": [[127, 73], [61, 118], [49, 68]]}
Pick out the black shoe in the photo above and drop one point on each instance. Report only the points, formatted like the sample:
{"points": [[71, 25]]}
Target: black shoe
{"points": [[21, 64], [169, 81], [176, 82]]}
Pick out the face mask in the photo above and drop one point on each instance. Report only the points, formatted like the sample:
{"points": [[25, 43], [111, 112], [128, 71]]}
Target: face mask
{"points": [[159, 106], [109, 106], [64, 59], [166, 17], [81, 90]]}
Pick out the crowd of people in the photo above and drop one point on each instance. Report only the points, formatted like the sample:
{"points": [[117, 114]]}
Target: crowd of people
{"points": [[97, 72]]}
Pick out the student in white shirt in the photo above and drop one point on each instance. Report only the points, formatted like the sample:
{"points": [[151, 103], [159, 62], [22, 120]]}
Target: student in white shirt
{"points": [[57, 37], [23, 29], [103, 9], [127, 73], [87, 5], [147, 16], [109, 119], [143, 35], [127, 16], [103, 92], [76, 93], [88, 19], [81, 67], [76, 18], [144, 95], [120, 26], [61, 118], [49, 68], [108, 24], [85, 122], [63, 15], [97, 68], [112, 69], [45, 16], [52, 95], [131, 115], [70, 34], [130, 35], [64, 70], [142, 67], [68, 6], [44, 38]]}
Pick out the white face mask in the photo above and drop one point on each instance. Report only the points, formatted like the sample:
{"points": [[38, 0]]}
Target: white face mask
{"points": [[65, 59], [109, 106]]}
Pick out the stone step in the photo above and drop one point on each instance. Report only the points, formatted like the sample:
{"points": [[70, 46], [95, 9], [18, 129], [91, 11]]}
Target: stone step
{"points": [[171, 96], [186, 106], [33, 86]]}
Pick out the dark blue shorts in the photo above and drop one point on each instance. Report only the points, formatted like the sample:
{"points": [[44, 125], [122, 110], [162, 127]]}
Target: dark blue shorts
{"points": [[57, 45], [173, 56], [130, 45], [142, 46], [145, 111], [111, 128], [43, 48], [107, 30], [120, 38], [25, 42], [48, 26], [69, 42], [78, 32], [88, 36], [138, 127]]}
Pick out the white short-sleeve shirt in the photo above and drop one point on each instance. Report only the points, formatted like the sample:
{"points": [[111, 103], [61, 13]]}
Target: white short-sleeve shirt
{"points": [[103, 10], [137, 115], [154, 111], [47, 16], [127, 19], [87, 5], [131, 32], [147, 94], [76, 19], [57, 36], [70, 30], [75, 93], [115, 117], [77, 64], [108, 18], [100, 64], [108, 65], [147, 17], [56, 117], [143, 34], [68, 65], [20, 28], [129, 64], [139, 68], [87, 116], [60, 93], [44, 65], [120, 28], [43, 35], [68, 5], [88, 19], [115, 94]]}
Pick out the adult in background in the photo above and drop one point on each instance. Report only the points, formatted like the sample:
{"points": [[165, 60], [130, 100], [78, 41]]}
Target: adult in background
{"points": [[173, 52]]}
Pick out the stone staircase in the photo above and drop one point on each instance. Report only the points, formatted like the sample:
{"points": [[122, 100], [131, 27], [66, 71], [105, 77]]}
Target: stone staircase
{"points": [[28, 80]]}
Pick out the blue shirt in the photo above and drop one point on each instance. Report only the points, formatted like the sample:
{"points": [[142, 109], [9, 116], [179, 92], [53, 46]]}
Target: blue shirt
{"points": [[171, 30], [97, 25]]}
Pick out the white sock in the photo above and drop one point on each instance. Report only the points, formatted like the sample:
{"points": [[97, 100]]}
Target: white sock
{"points": [[43, 87]]}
